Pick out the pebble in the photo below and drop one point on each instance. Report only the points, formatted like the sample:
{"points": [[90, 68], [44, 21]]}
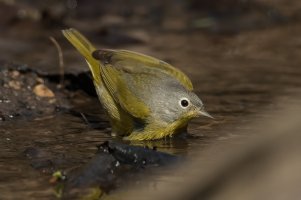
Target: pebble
{"points": [[14, 84], [15, 74], [42, 90]]}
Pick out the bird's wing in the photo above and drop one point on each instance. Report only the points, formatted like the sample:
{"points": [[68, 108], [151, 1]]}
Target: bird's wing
{"points": [[117, 87], [138, 63]]}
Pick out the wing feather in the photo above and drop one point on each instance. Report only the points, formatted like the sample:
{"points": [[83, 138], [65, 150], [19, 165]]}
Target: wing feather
{"points": [[117, 87], [133, 62]]}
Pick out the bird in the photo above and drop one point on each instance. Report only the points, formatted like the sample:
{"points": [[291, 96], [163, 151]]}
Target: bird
{"points": [[144, 98]]}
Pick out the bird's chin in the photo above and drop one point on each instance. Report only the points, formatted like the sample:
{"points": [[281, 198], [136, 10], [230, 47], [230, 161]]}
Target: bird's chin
{"points": [[192, 114]]}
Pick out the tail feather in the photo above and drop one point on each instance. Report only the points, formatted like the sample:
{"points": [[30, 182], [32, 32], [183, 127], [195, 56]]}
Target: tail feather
{"points": [[85, 48]]}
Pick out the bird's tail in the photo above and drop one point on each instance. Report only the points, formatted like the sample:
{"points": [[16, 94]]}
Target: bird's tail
{"points": [[85, 48]]}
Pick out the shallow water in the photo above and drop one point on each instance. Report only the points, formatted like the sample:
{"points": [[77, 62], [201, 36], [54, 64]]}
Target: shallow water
{"points": [[239, 77], [234, 95]]}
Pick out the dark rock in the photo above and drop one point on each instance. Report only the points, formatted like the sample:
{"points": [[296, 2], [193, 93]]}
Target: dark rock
{"points": [[99, 171], [137, 156]]}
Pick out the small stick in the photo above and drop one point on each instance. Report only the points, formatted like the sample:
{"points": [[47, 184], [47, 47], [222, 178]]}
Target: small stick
{"points": [[61, 60], [85, 118]]}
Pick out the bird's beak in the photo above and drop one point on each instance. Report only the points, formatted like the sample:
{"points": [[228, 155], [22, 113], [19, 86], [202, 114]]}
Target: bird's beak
{"points": [[205, 113]]}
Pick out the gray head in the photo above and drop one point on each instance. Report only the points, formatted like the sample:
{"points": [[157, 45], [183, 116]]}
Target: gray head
{"points": [[178, 103]]}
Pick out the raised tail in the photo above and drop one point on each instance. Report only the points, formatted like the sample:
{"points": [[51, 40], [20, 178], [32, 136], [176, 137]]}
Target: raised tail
{"points": [[85, 48]]}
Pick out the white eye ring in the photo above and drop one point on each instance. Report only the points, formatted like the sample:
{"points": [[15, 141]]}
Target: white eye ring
{"points": [[184, 102]]}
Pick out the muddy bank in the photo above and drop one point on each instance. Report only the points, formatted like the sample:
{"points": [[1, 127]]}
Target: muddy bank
{"points": [[26, 94]]}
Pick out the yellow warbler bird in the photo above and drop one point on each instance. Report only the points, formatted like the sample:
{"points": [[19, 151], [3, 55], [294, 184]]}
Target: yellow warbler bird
{"points": [[144, 98]]}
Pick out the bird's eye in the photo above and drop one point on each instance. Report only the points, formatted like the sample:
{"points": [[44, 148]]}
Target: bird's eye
{"points": [[184, 102]]}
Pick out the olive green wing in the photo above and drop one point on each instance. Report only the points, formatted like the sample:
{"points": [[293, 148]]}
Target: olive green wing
{"points": [[117, 87], [133, 62]]}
